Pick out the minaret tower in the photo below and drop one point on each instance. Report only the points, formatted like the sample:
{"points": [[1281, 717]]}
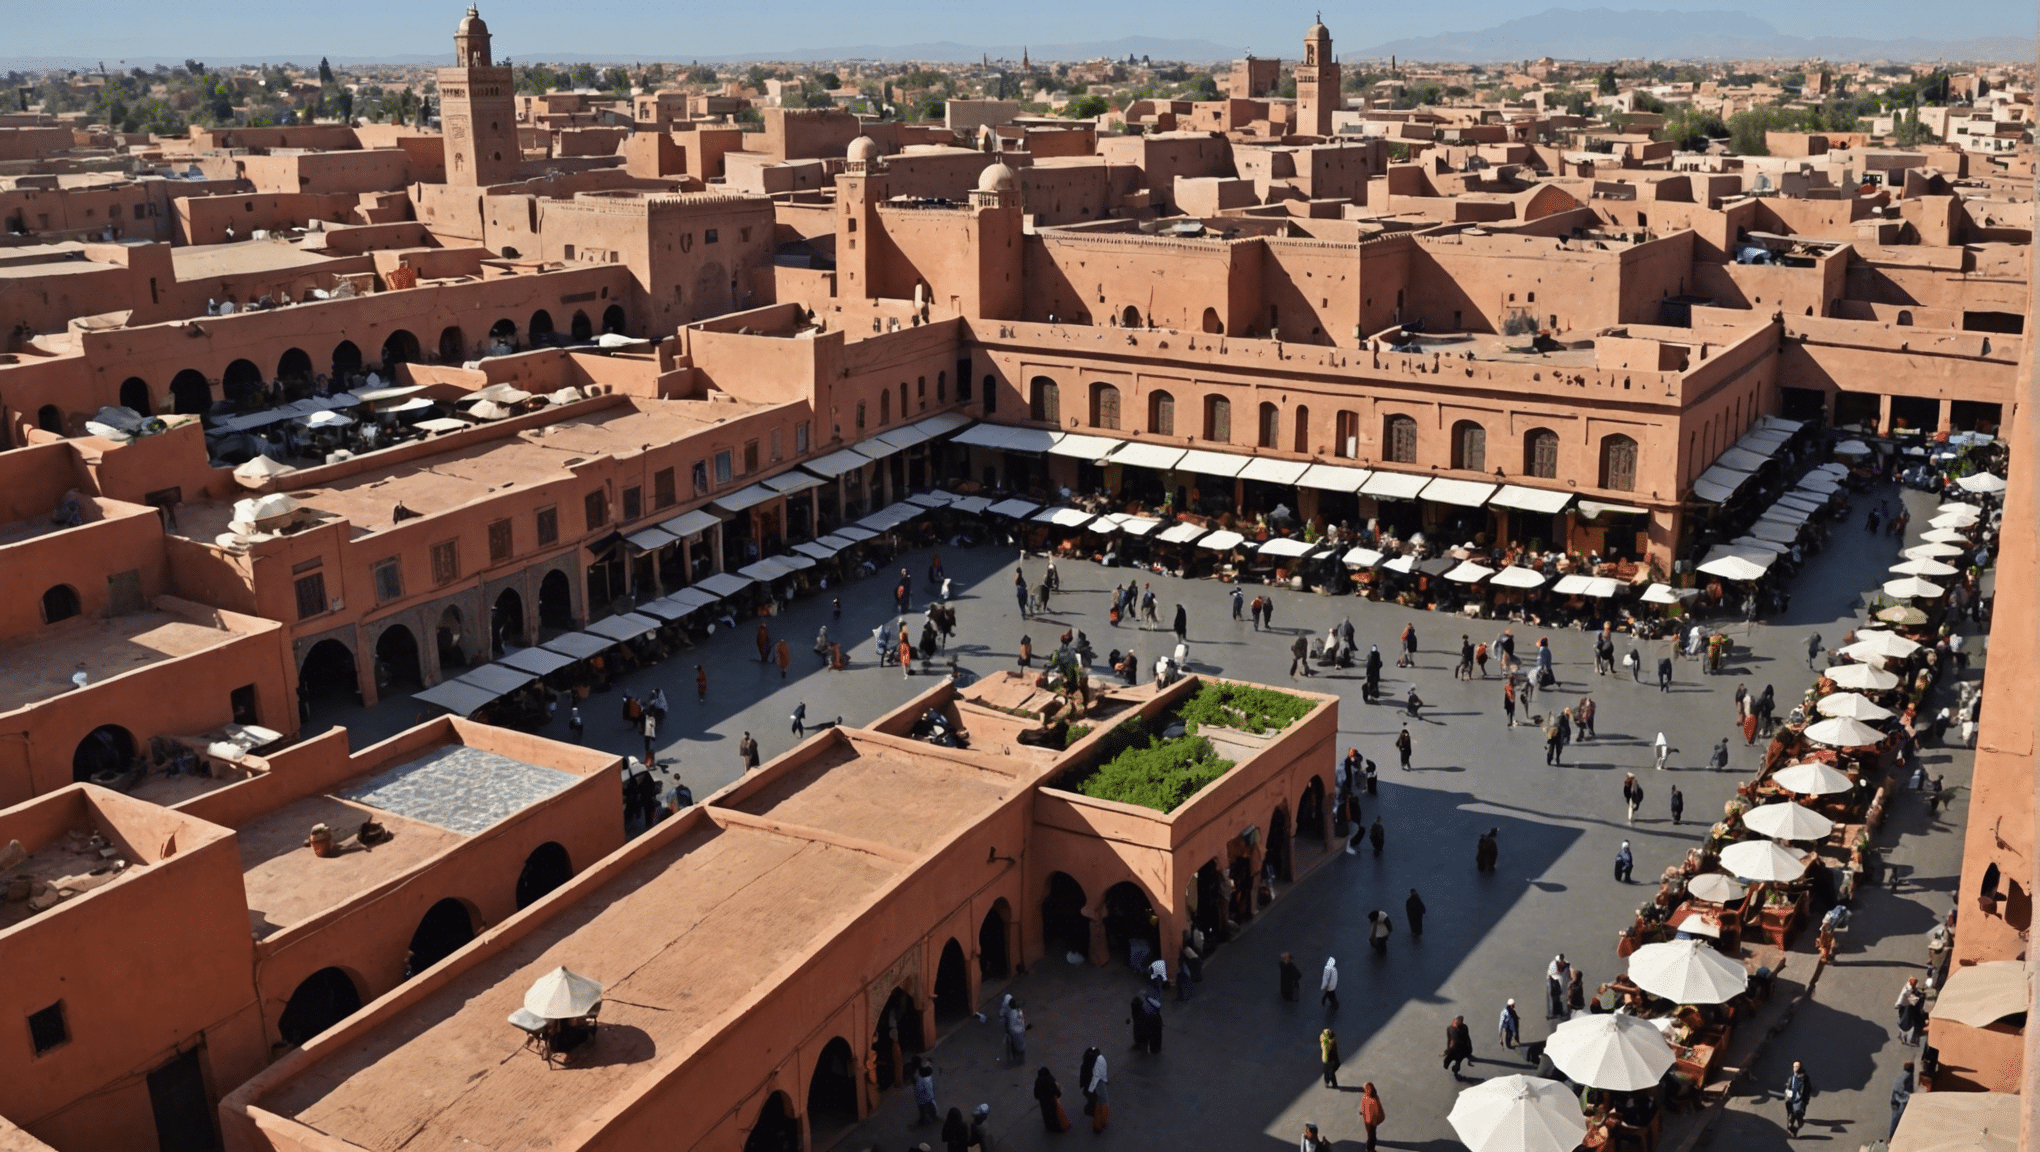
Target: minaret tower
{"points": [[1317, 83], [478, 110]]}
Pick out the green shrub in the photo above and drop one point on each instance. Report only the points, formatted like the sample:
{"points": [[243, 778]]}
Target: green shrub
{"points": [[1156, 774], [1242, 707], [1075, 733]]}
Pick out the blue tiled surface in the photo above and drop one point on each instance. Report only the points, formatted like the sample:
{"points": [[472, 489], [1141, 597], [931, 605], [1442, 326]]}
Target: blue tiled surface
{"points": [[461, 789]]}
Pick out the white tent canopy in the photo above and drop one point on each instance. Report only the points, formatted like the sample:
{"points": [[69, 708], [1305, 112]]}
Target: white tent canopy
{"points": [[1982, 482], [1469, 573], [1812, 778], [1687, 972], [1853, 705], [1715, 887], [1518, 1113], [1762, 860], [1980, 995], [1615, 1051], [1787, 821], [1842, 732], [1862, 678], [562, 995], [1516, 576]]}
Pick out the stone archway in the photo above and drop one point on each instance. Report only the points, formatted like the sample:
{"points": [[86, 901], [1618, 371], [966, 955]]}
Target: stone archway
{"points": [[1064, 926], [134, 393], [556, 601], [506, 619], [777, 1128], [321, 1000], [995, 950], [545, 869], [190, 393], [952, 983], [445, 929], [106, 751], [832, 1097], [397, 668]]}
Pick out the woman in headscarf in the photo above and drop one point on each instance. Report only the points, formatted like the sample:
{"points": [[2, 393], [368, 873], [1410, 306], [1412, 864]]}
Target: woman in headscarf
{"points": [[955, 1132], [1048, 1094]]}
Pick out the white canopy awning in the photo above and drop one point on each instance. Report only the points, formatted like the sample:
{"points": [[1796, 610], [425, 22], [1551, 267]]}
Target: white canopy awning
{"points": [[1394, 485], [744, 498], [1333, 478], [971, 505], [1720, 483], [688, 523], [1361, 558], [837, 463], [1274, 471], [1579, 584], [1211, 463], [1222, 541], [900, 439], [650, 539], [1594, 508], [1146, 455], [1530, 499], [1181, 533], [1467, 572], [691, 599], [1741, 459], [770, 568], [723, 584], [1516, 576], [625, 626], [1016, 508], [935, 499], [787, 483], [1064, 517], [1286, 546], [1137, 525], [580, 645], [1082, 447], [1465, 493], [817, 549]]}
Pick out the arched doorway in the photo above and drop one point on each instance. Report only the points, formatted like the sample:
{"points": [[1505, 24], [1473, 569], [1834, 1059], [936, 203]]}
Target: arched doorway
{"points": [[241, 384], [452, 345], [105, 751], [952, 983], [1129, 317], [555, 601], [1131, 933], [613, 319], [544, 870], [400, 348], [832, 1093], [506, 619], [1211, 900], [294, 370], [503, 336], [445, 929], [447, 637], [776, 1130], [1278, 844], [134, 393], [396, 661], [541, 328], [327, 675], [896, 1037], [995, 957], [1064, 927], [60, 602], [346, 359], [1211, 322], [1310, 811], [50, 419], [323, 999], [581, 328], [190, 395]]}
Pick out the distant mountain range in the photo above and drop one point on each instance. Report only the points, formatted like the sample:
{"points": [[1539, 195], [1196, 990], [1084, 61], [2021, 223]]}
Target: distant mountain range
{"points": [[1607, 34]]}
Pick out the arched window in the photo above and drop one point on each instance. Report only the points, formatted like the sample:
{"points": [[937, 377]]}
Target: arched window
{"points": [[1540, 453], [1904, 319], [903, 400], [942, 386], [1161, 414], [884, 407], [860, 415], [1302, 430], [59, 603], [1618, 463], [1104, 406], [1269, 427], [1346, 435], [1218, 419], [1044, 401], [991, 394], [1399, 440], [1469, 446]]}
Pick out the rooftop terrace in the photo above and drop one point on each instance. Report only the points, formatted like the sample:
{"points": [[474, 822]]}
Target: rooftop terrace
{"points": [[36, 670]]}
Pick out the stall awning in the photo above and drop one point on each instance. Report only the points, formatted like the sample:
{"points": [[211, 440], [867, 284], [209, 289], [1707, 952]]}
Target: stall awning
{"points": [[1592, 508], [688, 523], [983, 436], [456, 697], [1802, 501], [1719, 484], [1273, 471], [537, 661], [1786, 513], [787, 483], [1530, 499], [935, 499], [1394, 485], [1361, 558], [650, 539], [1016, 508], [1138, 525], [1773, 530], [971, 505], [1035, 440], [1578, 584], [723, 584], [1465, 493], [852, 533], [1081, 446], [1211, 463], [816, 549], [579, 645], [1182, 534], [625, 626], [1405, 564], [690, 599], [1333, 478], [1147, 455], [873, 449], [1222, 541], [908, 437], [1065, 517], [744, 498], [770, 568], [836, 463], [1518, 577], [665, 608], [498, 678], [1742, 459], [1286, 546], [943, 424]]}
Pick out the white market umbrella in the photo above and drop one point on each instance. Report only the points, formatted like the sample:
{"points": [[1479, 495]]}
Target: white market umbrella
{"points": [[1918, 567], [259, 471], [1931, 551], [1842, 732], [324, 418], [1787, 821], [1733, 568], [1518, 1114], [1853, 705], [1944, 536], [562, 995], [1762, 860], [1862, 677], [1469, 573], [1661, 594], [1960, 507], [1852, 448], [1959, 1122], [1686, 972], [1614, 1050], [1981, 482], [1517, 577], [1951, 520], [1912, 587], [1902, 614], [1715, 887], [1812, 778], [1980, 995], [1874, 646]]}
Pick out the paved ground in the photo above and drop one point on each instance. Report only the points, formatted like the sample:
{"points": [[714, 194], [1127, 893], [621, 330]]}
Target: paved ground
{"points": [[1239, 1069]]}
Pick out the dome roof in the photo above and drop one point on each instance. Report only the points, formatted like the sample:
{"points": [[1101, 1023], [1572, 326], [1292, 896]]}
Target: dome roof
{"points": [[471, 24], [1318, 32], [998, 178], [864, 148]]}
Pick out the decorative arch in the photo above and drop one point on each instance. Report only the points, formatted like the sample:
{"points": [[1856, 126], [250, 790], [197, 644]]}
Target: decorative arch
{"points": [[1618, 463], [328, 673], [445, 929], [541, 327], [1399, 439], [1540, 453], [1469, 446], [506, 619], [1129, 317], [452, 345], [59, 602], [777, 1129], [50, 418], [614, 320], [104, 753], [1129, 922], [1268, 427], [190, 393], [545, 869], [995, 942], [134, 393], [580, 329], [952, 983], [401, 347], [241, 382], [396, 656], [294, 367], [1064, 926], [1161, 413], [556, 601], [1104, 405], [1044, 400], [503, 332], [832, 1097], [321, 1000]]}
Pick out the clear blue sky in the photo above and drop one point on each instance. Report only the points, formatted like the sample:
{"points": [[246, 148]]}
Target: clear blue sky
{"points": [[530, 29]]}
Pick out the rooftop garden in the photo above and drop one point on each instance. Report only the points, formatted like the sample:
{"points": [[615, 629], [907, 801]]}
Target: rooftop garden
{"points": [[1161, 763]]}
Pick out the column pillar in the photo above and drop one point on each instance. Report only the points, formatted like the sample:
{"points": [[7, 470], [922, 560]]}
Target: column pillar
{"points": [[1883, 414]]}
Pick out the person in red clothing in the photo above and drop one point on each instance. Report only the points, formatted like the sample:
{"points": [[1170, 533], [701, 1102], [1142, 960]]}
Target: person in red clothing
{"points": [[1372, 1114]]}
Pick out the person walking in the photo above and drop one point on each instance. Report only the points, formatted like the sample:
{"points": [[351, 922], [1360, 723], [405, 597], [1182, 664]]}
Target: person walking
{"points": [[1632, 794], [1312, 1142], [1290, 976], [1255, 610], [1299, 657], [1798, 1090], [1509, 700], [1096, 1100], [1678, 806], [1328, 1055], [651, 731], [1634, 662], [1909, 1004], [1239, 601], [924, 1092], [1664, 674], [1328, 984], [906, 650], [1378, 928], [1546, 676], [1376, 834], [1020, 594], [1480, 656], [955, 1132], [764, 643], [1510, 1026], [1408, 658], [747, 751], [1661, 750], [1413, 911], [1182, 625], [1487, 851], [1812, 648], [1556, 974], [700, 684], [575, 723], [1402, 746], [1048, 1097], [1553, 746], [1372, 1114], [1901, 1095], [799, 719], [1585, 715], [1458, 1046], [1625, 864], [1464, 669]]}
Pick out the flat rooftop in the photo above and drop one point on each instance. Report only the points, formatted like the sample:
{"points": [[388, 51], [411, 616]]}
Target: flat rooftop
{"points": [[36, 670], [429, 804], [871, 790], [207, 261], [452, 1074]]}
